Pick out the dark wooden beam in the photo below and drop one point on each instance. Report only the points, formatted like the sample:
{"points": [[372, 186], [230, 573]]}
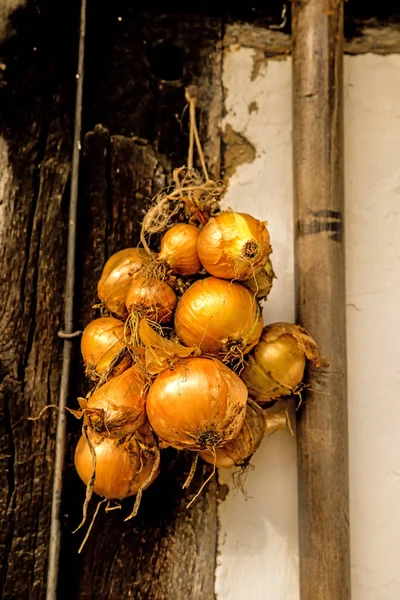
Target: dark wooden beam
{"points": [[320, 289]]}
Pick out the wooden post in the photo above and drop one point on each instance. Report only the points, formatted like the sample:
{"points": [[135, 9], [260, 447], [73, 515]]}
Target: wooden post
{"points": [[320, 289]]}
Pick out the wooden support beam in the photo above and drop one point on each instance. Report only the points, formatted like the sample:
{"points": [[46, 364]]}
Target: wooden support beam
{"points": [[320, 287]]}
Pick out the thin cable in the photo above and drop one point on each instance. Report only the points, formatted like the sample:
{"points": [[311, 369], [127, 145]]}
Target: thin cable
{"points": [[55, 528]]}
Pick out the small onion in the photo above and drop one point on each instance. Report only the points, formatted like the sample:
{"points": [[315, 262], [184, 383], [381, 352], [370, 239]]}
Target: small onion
{"points": [[122, 467], [233, 245], [179, 249], [117, 408], [219, 317], [151, 298], [276, 365], [261, 283], [117, 276], [103, 347], [239, 451], [198, 404]]}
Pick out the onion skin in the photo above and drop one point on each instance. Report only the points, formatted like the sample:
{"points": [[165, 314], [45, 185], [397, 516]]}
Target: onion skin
{"points": [[117, 276], [103, 340], [233, 245], [179, 249], [275, 367], [117, 408], [121, 468], [153, 299], [215, 314], [239, 451], [199, 404], [261, 283]]}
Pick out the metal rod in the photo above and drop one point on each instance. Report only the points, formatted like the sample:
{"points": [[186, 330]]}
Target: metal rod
{"points": [[67, 334], [317, 30]]}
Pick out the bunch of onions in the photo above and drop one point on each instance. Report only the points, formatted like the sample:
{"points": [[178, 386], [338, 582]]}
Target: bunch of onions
{"points": [[276, 365], [117, 408], [103, 348], [122, 468], [261, 283], [198, 404], [238, 452], [234, 245], [117, 276], [179, 249], [219, 317]]}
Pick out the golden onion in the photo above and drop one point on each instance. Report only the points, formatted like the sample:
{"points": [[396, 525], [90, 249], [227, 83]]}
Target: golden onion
{"points": [[117, 276], [151, 298], [179, 249], [276, 365], [117, 408], [239, 451], [219, 317], [123, 467], [261, 283], [198, 404], [233, 245], [103, 348]]}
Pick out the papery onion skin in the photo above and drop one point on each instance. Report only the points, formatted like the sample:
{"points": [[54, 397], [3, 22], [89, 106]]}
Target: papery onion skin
{"points": [[153, 299], [233, 245], [102, 342], [239, 451], [261, 283], [122, 467], [275, 367], [117, 408], [199, 404], [117, 276], [179, 249], [215, 315]]}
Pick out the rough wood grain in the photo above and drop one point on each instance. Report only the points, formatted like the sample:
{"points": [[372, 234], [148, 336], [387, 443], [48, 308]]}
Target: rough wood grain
{"points": [[168, 552], [320, 290]]}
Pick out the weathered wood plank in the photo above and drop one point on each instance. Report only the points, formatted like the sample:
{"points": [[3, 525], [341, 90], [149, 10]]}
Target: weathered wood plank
{"points": [[167, 551], [320, 293]]}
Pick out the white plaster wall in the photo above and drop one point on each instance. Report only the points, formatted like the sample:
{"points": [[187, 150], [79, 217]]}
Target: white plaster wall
{"points": [[258, 546]]}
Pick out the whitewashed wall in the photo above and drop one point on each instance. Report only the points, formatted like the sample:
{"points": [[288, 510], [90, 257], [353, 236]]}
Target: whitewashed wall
{"points": [[258, 552]]}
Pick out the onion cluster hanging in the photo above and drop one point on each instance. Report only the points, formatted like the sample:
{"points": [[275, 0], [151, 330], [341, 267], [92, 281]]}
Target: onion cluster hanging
{"points": [[180, 356]]}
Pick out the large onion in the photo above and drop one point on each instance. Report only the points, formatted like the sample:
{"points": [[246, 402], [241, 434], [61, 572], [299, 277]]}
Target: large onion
{"points": [[198, 404], [123, 467], [103, 347], [151, 298], [117, 408], [117, 276], [219, 317], [276, 365], [179, 249], [239, 451], [233, 245]]}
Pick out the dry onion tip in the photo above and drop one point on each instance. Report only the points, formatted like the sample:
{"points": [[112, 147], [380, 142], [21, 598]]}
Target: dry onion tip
{"points": [[117, 276], [160, 352], [233, 245], [198, 404], [117, 408], [153, 299], [121, 467], [276, 365], [261, 283], [219, 317], [179, 249], [103, 348]]}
